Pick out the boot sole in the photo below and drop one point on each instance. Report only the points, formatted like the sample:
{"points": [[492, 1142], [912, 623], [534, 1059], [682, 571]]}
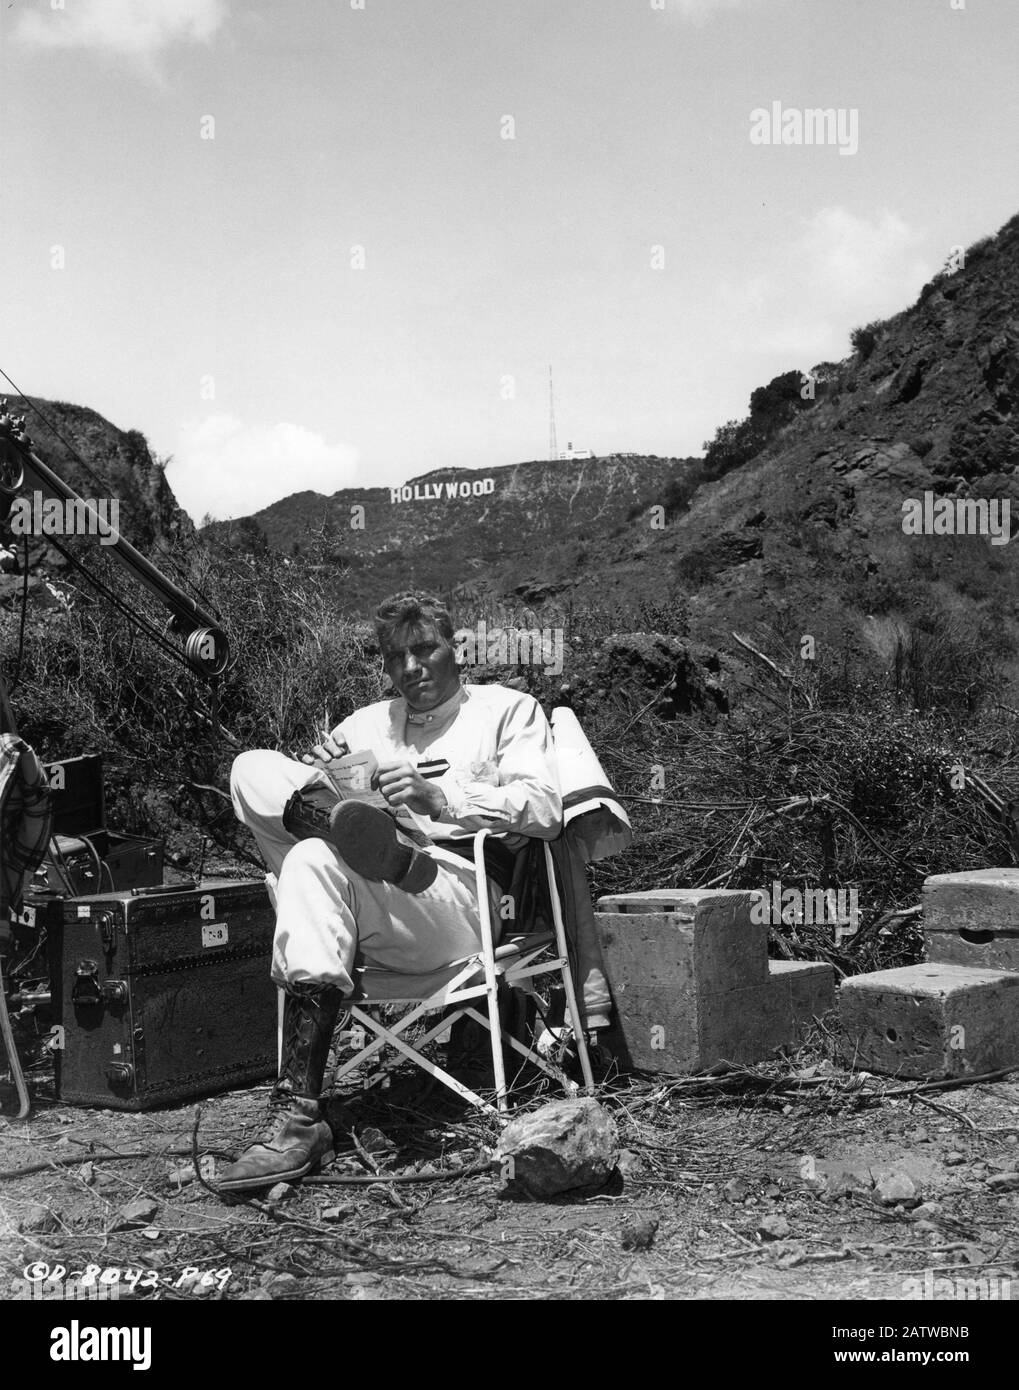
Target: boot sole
{"points": [[370, 843], [291, 1175]]}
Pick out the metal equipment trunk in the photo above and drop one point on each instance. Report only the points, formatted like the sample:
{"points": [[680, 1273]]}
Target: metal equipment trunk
{"points": [[163, 994]]}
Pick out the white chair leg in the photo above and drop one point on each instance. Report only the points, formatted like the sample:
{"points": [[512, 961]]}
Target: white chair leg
{"points": [[270, 888], [491, 982]]}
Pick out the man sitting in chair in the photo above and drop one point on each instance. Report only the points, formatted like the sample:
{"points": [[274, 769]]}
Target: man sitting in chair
{"points": [[402, 899]]}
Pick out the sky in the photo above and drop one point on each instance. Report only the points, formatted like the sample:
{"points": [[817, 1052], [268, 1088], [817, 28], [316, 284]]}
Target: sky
{"points": [[338, 243]]}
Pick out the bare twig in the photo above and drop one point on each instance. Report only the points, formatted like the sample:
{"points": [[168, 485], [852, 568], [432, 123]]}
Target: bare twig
{"points": [[953, 1083], [204, 787], [194, 1154], [771, 665], [77, 1159], [947, 1110]]}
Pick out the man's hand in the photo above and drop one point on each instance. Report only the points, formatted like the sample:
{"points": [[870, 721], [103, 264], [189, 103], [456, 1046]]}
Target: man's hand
{"points": [[324, 754], [402, 785]]}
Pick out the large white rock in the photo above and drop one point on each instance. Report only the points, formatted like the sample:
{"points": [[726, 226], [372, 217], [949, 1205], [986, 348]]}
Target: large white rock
{"points": [[565, 1144]]}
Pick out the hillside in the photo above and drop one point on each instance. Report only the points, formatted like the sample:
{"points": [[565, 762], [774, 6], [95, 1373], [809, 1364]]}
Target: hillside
{"points": [[804, 538], [807, 538], [121, 458], [530, 536]]}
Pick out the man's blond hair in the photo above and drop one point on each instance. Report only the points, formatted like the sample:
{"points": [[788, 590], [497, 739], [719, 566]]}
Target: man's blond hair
{"points": [[410, 609]]}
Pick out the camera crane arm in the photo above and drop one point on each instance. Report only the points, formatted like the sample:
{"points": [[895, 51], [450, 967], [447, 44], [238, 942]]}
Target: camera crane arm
{"points": [[206, 647], [206, 651]]}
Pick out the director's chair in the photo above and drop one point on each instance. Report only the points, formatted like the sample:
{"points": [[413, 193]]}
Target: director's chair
{"points": [[469, 988]]}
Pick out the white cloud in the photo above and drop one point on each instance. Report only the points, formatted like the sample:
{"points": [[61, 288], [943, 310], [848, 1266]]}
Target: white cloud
{"points": [[700, 11], [838, 271], [852, 260], [138, 28], [226, 468]]}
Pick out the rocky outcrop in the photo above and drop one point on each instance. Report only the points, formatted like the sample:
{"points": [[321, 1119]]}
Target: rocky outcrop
{"points": [[999, 362], [654, 667]]}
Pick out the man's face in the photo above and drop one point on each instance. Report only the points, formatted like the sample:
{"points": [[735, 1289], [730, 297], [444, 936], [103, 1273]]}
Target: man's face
{"points": [[421, 664]]}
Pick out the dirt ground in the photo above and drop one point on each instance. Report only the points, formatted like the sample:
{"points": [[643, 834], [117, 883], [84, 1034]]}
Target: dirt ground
{"points": [[794, 1180]]}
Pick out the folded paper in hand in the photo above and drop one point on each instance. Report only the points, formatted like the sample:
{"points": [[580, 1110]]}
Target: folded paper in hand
{"points": [[352, 778]]}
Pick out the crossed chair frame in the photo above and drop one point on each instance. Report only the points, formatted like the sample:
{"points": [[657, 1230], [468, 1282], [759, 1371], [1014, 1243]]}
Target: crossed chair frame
{"points": [[469, 988]]}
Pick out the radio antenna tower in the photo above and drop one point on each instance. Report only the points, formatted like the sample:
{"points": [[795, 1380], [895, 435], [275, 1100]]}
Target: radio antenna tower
{"points": [[553, 447]]}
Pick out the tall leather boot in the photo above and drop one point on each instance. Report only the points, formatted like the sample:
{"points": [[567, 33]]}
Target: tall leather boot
{"points": [[296, 1137]]}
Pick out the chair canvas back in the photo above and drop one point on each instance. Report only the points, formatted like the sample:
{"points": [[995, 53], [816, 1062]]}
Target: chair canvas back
{"points": [[602, 825]]}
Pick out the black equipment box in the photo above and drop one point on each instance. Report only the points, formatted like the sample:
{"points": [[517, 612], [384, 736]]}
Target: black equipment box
{"points": [[79, 801], [103, 860], [94, 859], [163, 994]]}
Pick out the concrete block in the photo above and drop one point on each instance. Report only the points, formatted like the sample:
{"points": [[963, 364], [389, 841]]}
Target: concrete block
{"points": [[692, 983], [706, 932], [811, 987], [748, 1025], [662, 950], [932, 1020], [972, 918]]}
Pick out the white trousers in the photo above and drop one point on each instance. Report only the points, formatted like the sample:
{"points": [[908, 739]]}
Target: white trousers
{"points": [[326, 914]]}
